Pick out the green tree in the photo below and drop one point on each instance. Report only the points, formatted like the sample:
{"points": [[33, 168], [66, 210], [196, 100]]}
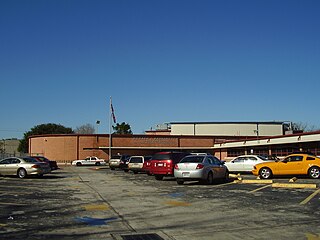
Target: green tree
{"points": [[48, 128], [123, 128]]}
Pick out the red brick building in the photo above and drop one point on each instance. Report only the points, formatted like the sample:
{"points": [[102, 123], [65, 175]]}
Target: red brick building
{"points": [[68, 147]]}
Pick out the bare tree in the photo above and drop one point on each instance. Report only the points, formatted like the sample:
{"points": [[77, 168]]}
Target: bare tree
{"points": [[85, 129], [305, 127]]}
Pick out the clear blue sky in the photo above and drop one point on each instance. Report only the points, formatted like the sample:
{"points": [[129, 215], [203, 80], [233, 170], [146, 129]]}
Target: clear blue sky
{"points": [[161, 61]]}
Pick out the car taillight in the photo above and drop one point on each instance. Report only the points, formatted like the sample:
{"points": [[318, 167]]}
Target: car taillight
{"points": [[176, 167], [199, 166], [35, 166]]}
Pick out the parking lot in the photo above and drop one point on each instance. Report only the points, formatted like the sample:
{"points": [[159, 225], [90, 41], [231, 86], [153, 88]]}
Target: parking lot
{"points": [[97, 203]]}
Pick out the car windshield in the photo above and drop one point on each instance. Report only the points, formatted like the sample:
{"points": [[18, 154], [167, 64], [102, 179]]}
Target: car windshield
{"points": [[161, 157], [263, 158], [192, 159], [30, 160]]}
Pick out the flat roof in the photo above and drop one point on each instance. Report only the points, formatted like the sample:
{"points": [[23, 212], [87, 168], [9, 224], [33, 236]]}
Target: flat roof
{"points": [[230, 122]]}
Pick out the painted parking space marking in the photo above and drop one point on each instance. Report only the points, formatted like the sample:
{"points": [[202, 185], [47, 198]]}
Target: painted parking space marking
{"points": [[96, 207], [311, 236], [260, 188], [257, 181], [305, 201]]}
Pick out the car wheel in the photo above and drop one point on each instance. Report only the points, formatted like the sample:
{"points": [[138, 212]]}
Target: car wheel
{"points": [[158, 177], [126, 170], [97, 164], [22, 173], [180, 182], [265, 173], [135, 172], [78, 164], [210, 178], [112, 168], [314, 172]]}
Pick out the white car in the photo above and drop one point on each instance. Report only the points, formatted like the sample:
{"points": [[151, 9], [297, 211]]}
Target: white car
{"points": [[203, 168], [89, 161], [245, 163]]}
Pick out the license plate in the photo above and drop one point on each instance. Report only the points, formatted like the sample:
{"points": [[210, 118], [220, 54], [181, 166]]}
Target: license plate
{"points": [[186, 174], [160, 164]]}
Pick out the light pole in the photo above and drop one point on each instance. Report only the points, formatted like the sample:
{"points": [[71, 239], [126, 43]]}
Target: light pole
{"points": [[97, 122]]}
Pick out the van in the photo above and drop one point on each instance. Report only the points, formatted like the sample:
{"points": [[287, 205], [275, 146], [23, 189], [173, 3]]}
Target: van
{"points": [[136, 163], [162, 163]]}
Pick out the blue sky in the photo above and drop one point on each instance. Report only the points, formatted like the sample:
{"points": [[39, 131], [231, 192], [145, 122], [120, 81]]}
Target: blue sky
{"points": [[161, 61]]}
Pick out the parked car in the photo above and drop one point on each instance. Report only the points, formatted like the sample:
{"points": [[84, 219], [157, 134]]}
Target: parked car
{"points": [[244, 163], [89, 161], [294, 164], [114, 162], [23, 166], [136, 163], [203, 168], [147, 167], [53, 164], [124, 164], [162, 163]]}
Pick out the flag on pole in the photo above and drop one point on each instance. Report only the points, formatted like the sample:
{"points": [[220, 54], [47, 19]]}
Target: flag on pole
{"points": [[112, 112]]}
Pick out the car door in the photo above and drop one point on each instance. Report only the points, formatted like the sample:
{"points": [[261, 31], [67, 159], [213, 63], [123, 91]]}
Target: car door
{"points": [[290, 165], [3, 166], [248, 163], [12, 166], [217, 167], [236, 165], [87, 161]]}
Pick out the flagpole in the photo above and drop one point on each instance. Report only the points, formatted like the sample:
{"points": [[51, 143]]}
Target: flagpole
{"points": [[110, 119]]}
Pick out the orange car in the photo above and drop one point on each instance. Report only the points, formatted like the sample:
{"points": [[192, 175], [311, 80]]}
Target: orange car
{"points": [[294, 164]]}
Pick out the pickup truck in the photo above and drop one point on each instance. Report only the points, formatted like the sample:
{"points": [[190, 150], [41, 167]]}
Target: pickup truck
{"points": [[89, 161]]}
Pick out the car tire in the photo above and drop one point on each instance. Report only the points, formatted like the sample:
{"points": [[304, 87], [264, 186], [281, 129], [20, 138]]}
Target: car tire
{"points": [[314, 172], [265, 173], [22, 173], [158, 177], [180, 182], [135, 172], [209, 180], [126, 170], [97, 164], [78, 164]]}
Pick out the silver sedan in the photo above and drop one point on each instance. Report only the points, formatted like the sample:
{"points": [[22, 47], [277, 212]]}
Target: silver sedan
{"points": [[203, 168], [23, 166]]}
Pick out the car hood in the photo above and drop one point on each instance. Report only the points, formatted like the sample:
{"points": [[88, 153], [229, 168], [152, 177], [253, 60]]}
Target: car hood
{"points": [[267, 164]]}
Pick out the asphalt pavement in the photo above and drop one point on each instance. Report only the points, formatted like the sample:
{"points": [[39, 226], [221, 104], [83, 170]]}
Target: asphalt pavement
{"points": [[97, 203]]}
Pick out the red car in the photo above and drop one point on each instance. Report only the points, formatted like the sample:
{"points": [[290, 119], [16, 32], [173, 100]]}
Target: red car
{"points": [[162, 163]]}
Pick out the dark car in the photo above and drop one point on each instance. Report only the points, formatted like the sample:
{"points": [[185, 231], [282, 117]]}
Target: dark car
{"points": [[124, 164], [53, 164], [162, 163]]}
